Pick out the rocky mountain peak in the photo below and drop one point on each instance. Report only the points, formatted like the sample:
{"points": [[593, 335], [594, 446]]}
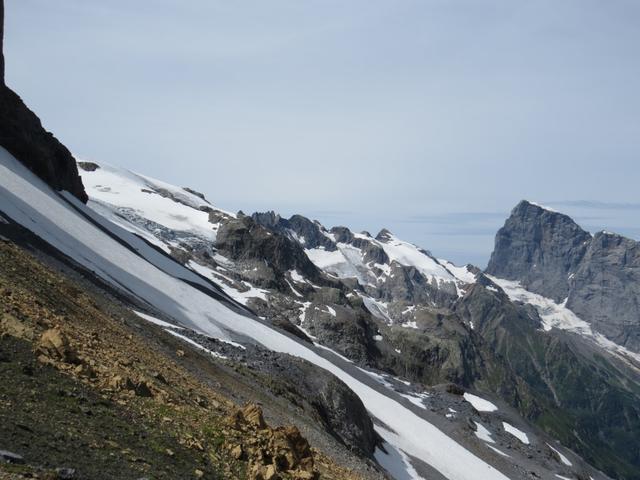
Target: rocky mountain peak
{"points": [[342, 234], [384, 235], [540, 248], [268, 219]]}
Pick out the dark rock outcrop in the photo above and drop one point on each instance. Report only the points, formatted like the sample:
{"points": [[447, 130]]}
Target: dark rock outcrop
{"points": [[243, 239], [304, 231], [326, 397], [22, 134]]}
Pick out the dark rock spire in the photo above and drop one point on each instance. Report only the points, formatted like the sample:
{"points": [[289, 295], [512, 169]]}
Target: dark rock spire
{"points": [[22, 135]]}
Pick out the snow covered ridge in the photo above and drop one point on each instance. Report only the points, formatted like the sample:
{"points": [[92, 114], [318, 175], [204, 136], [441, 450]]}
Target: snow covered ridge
{"points": [[558, 316], [56, 219], [171, 218], [120, 194], [350, 261]]}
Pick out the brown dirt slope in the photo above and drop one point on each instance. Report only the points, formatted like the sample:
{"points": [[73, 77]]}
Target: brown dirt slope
{"points": [[84, 393]]}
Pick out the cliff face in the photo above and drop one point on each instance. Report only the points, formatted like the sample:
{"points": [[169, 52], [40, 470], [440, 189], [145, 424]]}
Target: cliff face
{"points": [[606, 288], [22, 134], [598, 276], [540, 248]]}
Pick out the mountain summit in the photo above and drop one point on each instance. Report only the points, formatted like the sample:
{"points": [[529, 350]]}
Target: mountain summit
{"points": [[595, 276]]}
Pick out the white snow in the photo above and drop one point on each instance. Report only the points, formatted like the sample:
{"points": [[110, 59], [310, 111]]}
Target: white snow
{"points": [[410, 324], [156, 321], [295, 292], [240, 297], [416, 398], [563, 459], [395, 461], [332, 312], [408, 254], [123, 189], [303, 311], [296, 277], [409, 309], [194, 343], [332, 262], [483, 434], [549, 209], [558, 316], [28, 201], [480, 404], [377, 308], [348, 261], [498, 451], [461, 273], [519, 434]]}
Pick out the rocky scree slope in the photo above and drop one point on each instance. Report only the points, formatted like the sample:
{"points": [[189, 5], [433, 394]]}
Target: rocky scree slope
{"points": [[81, 372]]}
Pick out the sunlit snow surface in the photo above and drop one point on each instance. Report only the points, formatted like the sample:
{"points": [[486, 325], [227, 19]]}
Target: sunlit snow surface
{"points": [[483, 434], [28, 201], [563, 459], [348, 261], [123, 190], [480, 404], [558, 316], [519, 434]]}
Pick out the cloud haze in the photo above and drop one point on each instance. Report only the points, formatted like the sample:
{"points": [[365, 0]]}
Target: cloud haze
{"points": [[367, 112]]}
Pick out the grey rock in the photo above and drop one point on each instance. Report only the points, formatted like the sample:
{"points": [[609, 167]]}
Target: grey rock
{"points": [[10, 457], [605, 289], [88, 166], [540, 248], [244, 239], [551, 255], [194, 192], [302, 230], [65, 473]]}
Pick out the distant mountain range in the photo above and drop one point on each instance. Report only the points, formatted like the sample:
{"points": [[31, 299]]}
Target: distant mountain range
{"points": [[147, 333]]}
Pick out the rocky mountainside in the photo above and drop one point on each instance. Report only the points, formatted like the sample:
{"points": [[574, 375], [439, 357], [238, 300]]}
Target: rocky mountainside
{"points": [[388, 305], [146, 333], [596, 276]]}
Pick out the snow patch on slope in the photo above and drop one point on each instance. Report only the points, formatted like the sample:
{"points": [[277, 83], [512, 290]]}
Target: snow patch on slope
{"points": [[558, 316], [480, 404], [122, 189], [519, 434]]}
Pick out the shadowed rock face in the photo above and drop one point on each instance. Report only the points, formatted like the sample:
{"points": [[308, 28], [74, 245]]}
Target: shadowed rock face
{"points": [[605, 289], [551, 255], [243, 239], [22, 134], [2, 41], [540, 248]]}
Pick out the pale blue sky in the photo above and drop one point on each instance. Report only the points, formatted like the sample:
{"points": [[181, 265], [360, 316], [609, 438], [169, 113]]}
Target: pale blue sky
{"points": [[430, 117]]}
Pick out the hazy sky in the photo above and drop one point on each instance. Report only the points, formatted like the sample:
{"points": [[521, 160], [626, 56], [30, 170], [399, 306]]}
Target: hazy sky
{"points": [[430, 117]]}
